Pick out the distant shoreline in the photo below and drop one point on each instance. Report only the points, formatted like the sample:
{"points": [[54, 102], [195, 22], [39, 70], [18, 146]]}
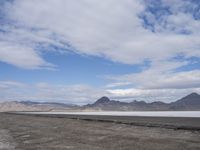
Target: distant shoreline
{"points": [[195, 114]]}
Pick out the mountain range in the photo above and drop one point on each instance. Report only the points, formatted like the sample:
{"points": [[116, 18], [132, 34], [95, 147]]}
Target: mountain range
{"points": [[35, 106], [189, 103]]}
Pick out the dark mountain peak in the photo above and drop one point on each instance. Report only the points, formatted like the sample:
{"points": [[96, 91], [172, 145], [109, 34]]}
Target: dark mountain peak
{"points": [[134, 101], [157, 103], [102, 100], [192, 95], [137, 102], [190, 98], [189, 102]]}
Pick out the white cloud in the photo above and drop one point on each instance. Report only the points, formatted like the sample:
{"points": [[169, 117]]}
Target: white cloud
{"points": [[159, 82], [160, 76], [117, 84], [9, 84], [76, 94], [84, 94], [150, 95], [21, 56], [110, 29]]}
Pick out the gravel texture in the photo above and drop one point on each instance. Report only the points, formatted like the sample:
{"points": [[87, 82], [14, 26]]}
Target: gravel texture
{"points": [[26, 132]]}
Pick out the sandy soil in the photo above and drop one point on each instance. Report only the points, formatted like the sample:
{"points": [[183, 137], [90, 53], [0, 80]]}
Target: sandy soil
{"points": [[23, 132]]}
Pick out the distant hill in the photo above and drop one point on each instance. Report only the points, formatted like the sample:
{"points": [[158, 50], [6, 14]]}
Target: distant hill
{"points": [[106, 104], [16, 106], [52, 104], [35, 106], [189, 102]]}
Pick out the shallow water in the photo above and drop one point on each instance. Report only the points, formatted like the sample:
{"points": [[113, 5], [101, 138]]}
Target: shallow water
{"points": [[130, 113]]}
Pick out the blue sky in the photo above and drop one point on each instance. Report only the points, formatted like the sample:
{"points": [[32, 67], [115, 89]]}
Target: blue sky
{"points": [[77, 51], [70, 69]]}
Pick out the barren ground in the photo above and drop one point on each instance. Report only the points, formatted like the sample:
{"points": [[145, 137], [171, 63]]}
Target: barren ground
{"points": [[26, 132]]}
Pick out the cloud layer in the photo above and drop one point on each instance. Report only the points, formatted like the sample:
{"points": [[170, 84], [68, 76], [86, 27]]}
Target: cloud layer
{"points": [[128, 32], [83, 94], [76, 94], [123, 31]]}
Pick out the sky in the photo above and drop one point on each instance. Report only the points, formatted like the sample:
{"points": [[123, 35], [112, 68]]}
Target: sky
{"points": [[78, 51]]}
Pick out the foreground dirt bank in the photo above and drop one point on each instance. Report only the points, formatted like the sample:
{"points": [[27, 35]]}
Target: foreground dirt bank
{"points": [[48, 133]]}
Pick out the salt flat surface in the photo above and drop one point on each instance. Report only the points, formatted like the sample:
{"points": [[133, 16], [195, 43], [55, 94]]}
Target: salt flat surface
{"points": [[129, 113]]}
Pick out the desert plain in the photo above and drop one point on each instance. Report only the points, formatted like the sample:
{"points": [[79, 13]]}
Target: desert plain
{"points": [[61, 132]]}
